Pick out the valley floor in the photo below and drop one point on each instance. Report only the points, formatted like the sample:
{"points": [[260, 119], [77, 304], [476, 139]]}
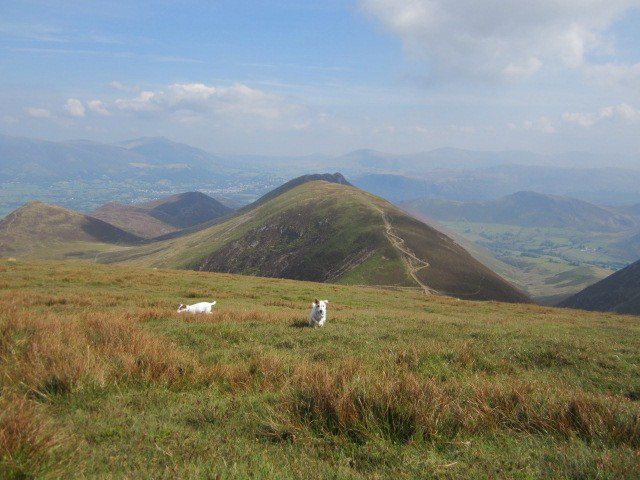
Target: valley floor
{"points": [[100, 378]]}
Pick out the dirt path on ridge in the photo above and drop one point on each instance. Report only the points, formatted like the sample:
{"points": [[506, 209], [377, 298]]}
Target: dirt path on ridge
{"points": [[412, 263]]}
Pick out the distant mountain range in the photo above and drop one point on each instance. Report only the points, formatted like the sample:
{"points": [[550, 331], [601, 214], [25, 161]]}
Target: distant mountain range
{"points": [[460, 159], [315, 228], [528, 209], [603, 186], [150, 159], [136, 166], [618, 293]]}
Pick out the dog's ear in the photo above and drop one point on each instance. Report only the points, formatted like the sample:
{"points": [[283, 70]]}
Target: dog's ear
{"points": [[316, 301], [326, 301]]}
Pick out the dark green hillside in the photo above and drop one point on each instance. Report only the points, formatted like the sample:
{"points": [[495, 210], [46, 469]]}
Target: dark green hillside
{"points": [[186, 209], [619, 292]]}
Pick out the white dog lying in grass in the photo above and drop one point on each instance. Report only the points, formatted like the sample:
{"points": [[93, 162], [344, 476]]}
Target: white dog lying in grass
{"points": [[202, 307], [318, 315]]}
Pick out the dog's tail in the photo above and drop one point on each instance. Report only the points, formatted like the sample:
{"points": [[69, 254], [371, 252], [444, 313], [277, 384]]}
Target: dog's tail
{"points": [[213, 303]]}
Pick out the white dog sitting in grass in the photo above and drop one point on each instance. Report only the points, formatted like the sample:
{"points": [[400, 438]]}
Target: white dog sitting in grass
{"points": [[202, 307], [318, 315]]}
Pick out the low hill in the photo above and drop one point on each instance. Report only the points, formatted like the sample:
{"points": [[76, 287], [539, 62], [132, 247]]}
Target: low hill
{"points": [[47, 231], [101, 378], [162, 216], [186, 209], [527, 209], [619, 292], [133, 219], [328, 232]]}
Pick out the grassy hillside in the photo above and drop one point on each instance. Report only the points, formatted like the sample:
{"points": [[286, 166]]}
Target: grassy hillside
{"points": [[99, 378], [133, 219], [332, 232], [619, 292], [162, 216], [47, 231]]}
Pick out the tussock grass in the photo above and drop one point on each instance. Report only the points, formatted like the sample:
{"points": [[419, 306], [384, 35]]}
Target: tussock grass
{"points": [[30, 446], [402, 407], [100, 377], [43, 354]]}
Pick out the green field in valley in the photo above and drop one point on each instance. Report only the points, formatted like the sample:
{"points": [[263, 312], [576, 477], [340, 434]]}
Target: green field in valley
{"points": [[548, 263]]}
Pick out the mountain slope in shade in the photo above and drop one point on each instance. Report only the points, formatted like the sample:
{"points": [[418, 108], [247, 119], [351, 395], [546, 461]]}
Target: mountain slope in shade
{"points": [[527, 209], [133, 219], [619, 292], [163, 216], [186, 209], [328, 232], [47, 231]]}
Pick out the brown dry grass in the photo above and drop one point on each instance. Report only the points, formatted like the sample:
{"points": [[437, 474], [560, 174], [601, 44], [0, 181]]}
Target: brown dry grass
{"points": [[401, 406], [29, 444], [45, 353]]}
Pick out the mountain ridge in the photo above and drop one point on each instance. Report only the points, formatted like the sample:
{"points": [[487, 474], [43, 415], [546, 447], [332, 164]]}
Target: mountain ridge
{"points": [[326, 231]]}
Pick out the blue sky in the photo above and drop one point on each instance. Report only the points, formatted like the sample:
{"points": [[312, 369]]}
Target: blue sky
{"points": [[296, 77]]}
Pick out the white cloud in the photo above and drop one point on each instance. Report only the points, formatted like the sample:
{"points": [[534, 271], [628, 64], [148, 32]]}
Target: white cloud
{"points": [[74, 108], [190, 101], [98, 106], [625, 113], [123, 87], [38, 112], [541, 125], [524, 69], [8, 119], [497, 39], [611, 74]]}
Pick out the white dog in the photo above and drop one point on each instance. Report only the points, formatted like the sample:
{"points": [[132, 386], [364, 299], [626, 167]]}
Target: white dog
{"points": [[318, 315], [202, 307]]}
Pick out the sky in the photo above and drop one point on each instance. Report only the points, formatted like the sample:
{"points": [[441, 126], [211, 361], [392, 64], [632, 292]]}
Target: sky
{"points": [[285, 77]]}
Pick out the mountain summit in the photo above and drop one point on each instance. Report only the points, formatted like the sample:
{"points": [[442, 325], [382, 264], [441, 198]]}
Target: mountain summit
{"points": [[320, 228]]}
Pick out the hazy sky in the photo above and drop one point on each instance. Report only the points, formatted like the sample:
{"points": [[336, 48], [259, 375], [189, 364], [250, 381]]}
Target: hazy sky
{"points": [[302, 77]]}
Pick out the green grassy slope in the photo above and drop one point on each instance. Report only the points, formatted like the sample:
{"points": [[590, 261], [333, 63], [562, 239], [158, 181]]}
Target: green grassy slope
{"points": [[331, 232], [99, 378]]}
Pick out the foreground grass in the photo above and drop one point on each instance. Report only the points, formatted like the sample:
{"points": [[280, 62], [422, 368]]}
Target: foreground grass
{"points": [[99, 378]]}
